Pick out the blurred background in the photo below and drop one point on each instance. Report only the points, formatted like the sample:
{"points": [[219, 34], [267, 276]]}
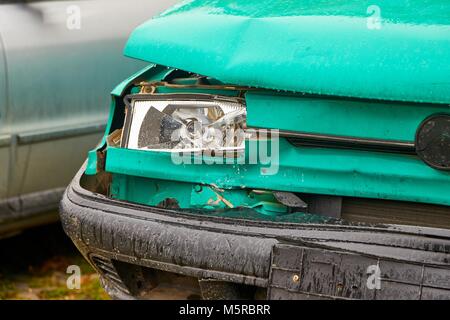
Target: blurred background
{"points": [[58, 62], [34, 267]]}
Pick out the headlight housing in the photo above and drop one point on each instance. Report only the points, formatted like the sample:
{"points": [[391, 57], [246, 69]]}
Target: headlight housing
{"points": [[184, 123]]}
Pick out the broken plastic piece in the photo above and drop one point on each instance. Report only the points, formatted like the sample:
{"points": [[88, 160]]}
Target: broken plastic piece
{"points": [[113, 140], [290, 200]]}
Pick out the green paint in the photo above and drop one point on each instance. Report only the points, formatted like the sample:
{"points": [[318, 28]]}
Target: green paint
{"points": [[193, 196], [320, 47], [311, 170], [362, 119], [149, 73]]}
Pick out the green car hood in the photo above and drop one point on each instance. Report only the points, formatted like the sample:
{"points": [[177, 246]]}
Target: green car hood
{"points": [[309, 46]]}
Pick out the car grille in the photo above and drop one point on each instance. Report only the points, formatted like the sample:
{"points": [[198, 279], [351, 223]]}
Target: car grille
{"points": [[395, 212]]}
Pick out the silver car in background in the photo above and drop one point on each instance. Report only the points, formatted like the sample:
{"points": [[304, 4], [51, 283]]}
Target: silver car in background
{"points": [[58, 61]]}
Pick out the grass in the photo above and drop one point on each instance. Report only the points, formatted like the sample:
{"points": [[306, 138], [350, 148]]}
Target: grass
{"points": [[34, 267]]}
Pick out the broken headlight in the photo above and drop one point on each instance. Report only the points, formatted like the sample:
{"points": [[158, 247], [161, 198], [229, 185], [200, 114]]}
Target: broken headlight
{"points": [[180, 123]]}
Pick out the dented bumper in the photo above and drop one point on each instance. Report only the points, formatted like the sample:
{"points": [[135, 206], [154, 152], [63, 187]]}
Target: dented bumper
{"points": [[294, 261]]}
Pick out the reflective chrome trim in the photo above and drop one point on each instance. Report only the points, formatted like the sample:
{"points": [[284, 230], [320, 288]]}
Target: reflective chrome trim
{"points": [[331, 141]]}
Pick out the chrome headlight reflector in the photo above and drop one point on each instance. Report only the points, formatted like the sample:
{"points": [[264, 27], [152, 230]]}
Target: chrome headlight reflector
{"points": [[184, 123]]}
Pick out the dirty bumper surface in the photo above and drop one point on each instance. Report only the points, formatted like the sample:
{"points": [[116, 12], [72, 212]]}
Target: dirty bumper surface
{"points": [[293, 261]]}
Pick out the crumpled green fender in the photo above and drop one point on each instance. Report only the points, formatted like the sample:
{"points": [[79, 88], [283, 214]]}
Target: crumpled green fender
{"points": [[149, 73]]}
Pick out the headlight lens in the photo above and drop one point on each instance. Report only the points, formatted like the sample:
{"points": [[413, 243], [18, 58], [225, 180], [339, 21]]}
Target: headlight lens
{"points": [[175, 123]]}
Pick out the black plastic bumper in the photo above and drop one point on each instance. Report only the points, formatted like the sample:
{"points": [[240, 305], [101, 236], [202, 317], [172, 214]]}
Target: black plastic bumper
{"points": [[291, 260]]}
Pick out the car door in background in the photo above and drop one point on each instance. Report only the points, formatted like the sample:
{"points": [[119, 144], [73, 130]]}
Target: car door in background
{"points": [[58, 60]]}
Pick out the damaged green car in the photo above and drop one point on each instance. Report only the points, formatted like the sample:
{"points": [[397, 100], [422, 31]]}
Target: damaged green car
{"points": [[279, 150]]}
